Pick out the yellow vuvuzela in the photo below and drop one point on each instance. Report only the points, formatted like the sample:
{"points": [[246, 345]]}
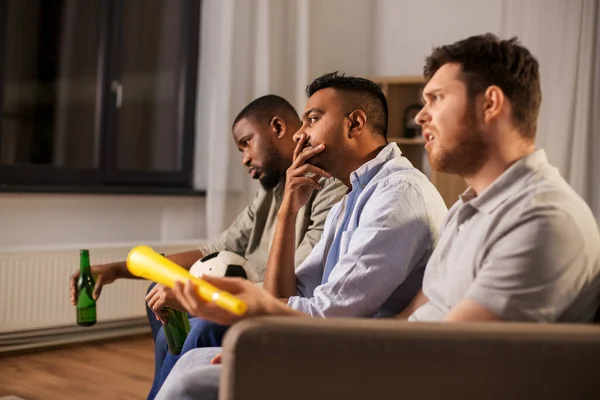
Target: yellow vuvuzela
{"points": [[144, 262]]}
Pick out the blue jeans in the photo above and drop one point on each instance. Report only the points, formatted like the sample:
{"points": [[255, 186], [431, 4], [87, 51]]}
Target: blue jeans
{"points": [[160, 344], [202, 334], [155, 324]]}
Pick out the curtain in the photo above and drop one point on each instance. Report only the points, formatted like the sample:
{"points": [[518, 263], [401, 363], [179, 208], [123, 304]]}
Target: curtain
{"points": [[594, 191], [248, 49]]}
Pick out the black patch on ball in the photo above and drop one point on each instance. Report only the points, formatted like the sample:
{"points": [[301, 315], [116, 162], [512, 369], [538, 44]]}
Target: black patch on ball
{"points": [[236, 271], [210, 256]]}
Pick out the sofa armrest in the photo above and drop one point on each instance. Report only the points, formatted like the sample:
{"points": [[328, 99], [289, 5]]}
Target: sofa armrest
{"points": [[302, 358]]}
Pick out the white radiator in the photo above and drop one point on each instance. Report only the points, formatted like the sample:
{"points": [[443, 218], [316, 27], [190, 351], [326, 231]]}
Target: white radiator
{"points": [[34, 294]]}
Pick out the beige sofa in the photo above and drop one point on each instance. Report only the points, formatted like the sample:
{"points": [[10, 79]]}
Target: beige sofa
{"points": [[302, 358]]}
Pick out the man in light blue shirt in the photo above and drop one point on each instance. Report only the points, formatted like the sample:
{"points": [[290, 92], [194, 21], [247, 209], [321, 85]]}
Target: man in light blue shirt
{"points": [[376, 242], [375, 245]]}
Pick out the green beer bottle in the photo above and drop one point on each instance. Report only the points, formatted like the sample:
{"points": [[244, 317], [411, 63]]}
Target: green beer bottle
{"points": [[176, 329], [86, 305]]}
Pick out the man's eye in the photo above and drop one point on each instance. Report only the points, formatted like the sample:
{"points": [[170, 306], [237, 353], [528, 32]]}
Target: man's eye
{"points": [[312, 120], [242, 144]]}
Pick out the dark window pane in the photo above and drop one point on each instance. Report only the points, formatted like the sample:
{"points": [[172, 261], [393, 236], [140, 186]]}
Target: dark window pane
{"points": [[50, 79], [149, 133]]}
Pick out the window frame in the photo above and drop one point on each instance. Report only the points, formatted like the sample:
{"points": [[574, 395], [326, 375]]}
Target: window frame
{"points": [[106, 178]]}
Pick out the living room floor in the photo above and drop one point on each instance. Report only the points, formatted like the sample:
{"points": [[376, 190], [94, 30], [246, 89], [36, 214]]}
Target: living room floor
{"points": [[117, 369]]}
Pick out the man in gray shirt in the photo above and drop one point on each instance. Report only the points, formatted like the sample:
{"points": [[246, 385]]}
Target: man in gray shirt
{"points": [[519, 245], [263, 132]]}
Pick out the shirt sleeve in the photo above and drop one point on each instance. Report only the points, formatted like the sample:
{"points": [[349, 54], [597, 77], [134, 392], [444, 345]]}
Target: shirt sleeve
{"points": [[237, 236], [333, 191], [532, 272], [392, 236]]}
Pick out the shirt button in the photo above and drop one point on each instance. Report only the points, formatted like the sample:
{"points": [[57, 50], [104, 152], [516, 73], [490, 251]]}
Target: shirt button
{"points": [[461, 226]]}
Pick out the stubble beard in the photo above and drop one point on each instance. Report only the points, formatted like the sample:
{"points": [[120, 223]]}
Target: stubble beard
{"points": [[466, 153]]}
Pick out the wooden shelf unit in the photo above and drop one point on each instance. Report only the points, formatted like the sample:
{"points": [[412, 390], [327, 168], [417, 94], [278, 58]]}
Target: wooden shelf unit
{"points": [[402, 92]]}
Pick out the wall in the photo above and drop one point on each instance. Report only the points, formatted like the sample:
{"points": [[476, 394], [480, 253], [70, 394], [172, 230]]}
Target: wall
{"points": [[340, 36], [67, 221], [404, 31]]}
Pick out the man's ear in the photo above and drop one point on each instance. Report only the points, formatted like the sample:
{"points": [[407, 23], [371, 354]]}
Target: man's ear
{"points": [[493, 103], [279, 127], [358, 121]]}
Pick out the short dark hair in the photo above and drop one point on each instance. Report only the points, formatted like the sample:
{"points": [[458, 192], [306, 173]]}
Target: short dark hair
{"points": [[369, 98], [486, 60], [266, 107]]}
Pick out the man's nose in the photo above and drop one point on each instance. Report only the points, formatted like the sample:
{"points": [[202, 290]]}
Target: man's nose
{"points": [[298, 135], [422, 117], [246, 159]]}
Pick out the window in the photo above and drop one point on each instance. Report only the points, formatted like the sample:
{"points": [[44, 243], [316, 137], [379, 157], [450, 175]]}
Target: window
{"points": [[97, 93]]}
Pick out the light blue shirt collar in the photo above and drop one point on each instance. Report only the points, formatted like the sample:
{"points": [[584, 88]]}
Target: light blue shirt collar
{"points": [[363, 175]]}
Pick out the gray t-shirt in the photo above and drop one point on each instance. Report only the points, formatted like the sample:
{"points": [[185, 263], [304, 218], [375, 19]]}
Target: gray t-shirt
{"points": [[527, 248]]}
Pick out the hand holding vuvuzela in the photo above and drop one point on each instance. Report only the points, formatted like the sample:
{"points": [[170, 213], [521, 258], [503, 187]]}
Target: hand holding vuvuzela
{"points": [[144, 262]]}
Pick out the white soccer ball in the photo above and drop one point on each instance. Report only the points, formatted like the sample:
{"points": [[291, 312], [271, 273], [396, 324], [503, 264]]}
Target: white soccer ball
{"points": [[224, 263]]}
